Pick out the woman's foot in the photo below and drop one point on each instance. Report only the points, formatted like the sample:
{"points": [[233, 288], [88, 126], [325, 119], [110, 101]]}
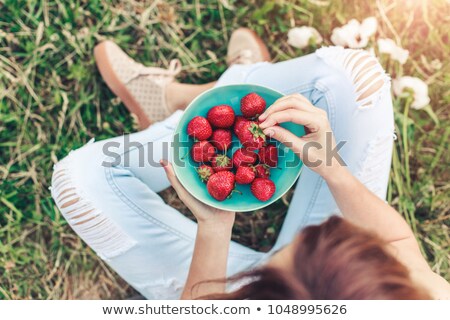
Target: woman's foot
{"points": [[142, 89], [246, 47], [152, 94]]}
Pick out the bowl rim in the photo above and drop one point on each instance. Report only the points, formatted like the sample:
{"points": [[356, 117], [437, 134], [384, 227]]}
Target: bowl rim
{"points": [[185, 183]]}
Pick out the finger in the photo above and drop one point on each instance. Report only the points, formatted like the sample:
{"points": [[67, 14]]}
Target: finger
{"points": [[286, 137], [307, 119], [296, 101]]}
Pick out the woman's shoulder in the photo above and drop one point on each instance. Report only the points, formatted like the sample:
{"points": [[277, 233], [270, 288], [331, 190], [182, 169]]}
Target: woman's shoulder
{"points": [[434, 284]]}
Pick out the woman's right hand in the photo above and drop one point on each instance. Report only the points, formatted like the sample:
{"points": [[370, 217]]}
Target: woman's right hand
{"points": [[311, 148]]}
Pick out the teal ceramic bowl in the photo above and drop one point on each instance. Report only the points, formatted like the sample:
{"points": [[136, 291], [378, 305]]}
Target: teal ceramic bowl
{"points": [[289, 165]]}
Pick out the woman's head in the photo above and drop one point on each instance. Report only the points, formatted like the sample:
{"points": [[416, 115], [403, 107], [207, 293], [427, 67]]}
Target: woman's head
{"points": [[334, 260]]}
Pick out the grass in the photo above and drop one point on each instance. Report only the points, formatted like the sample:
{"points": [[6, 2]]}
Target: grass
{"points": [[52, 100]]}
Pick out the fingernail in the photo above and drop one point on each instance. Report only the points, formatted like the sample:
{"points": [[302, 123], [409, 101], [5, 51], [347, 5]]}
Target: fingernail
{"points": [[269, 132], [262, 117]]}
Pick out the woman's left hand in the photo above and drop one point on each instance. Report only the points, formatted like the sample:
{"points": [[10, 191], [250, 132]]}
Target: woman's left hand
{"points": [[205, 215]]}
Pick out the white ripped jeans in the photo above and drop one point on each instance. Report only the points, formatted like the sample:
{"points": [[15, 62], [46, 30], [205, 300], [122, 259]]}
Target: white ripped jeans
{"points": [[118, 213]]}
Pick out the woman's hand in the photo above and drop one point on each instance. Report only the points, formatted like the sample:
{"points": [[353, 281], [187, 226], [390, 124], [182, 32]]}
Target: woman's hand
{"points": [[311, 148], [206, 216], [209, 259]]}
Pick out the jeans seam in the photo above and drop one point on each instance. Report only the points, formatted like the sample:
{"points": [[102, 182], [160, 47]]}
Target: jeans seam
{"points": [[123, 197], [299, 89]]}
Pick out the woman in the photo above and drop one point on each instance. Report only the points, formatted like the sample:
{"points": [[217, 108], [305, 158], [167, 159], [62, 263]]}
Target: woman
{"points": [[364, 251]]}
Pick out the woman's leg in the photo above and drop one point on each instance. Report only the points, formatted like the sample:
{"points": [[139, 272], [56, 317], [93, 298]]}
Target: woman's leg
{"points": [[354, 90], [107, 191], [179, 95]]}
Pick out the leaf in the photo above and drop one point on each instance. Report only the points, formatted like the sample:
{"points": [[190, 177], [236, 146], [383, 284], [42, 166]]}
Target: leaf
{"points": [[432, 115], [13, 208], [263, 11]]}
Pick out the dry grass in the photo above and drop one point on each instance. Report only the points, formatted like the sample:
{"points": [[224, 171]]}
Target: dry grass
{"points": [[52, 100]]}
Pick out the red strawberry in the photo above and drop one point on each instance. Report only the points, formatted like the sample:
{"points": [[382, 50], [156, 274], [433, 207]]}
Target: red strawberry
{"points": [[202, 151], [221, 116], [263, 189], [221, 163], [250, 135], [242, 157], [199, 128], [204, 172], [269, 155], [262, 171], [245, 175], [220, 185], [252, 105], [221, 139], [238, 123]]}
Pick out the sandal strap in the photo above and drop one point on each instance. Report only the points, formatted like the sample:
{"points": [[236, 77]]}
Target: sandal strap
{"points": [[241, 57], [171, 72]]}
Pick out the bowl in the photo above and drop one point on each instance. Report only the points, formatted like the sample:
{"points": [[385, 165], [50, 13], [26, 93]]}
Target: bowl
{"points": [[284, 176]]}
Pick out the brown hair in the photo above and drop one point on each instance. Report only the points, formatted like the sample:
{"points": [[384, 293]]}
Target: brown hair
{"points": [[334, 260]]}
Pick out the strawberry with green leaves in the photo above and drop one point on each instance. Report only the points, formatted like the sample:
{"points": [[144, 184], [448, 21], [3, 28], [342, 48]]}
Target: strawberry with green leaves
{"points": [[221, 163], [204, 172], [250, 134], [262, 171]]}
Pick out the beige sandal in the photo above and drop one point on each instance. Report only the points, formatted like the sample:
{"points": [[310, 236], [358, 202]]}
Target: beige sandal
{"points": [[246, 47], [141, 88]]}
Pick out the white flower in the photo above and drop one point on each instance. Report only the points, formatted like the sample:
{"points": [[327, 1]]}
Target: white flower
{"points": [[418, 87], [301, 37], [354, 34], [396, 52], [369, 27]]}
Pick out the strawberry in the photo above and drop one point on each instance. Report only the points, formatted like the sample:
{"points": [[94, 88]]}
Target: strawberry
{"points": [[252, 105], [245, 175], [263, 189], [221, 116], [244, 157], [262, 171], [199, 128], [269, 155], [238, 123], [204, 172], [221, 163], [202, 151], [221, 139], [250, 134], [220, 185]]}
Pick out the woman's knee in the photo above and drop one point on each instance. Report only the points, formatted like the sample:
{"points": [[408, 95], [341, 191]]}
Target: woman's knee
{"points": [[362, 70], [76, 181]]}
